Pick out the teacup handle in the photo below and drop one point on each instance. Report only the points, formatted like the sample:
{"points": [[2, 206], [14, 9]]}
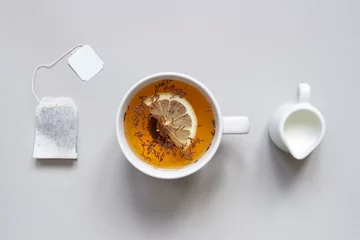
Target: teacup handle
{"points": [[304, 92], [236, 125]]}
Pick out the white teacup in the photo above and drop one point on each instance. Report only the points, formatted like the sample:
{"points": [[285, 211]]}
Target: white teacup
{"points": [[224, 125]]}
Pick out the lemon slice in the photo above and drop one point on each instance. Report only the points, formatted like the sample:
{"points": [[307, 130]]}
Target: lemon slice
{"points": [[176, 115]]}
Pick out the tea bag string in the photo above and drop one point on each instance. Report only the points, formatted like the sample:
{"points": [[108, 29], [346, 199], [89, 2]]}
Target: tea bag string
{"points": [[48, 66]]}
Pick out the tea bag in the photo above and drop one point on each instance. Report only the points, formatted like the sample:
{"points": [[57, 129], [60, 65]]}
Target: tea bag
{"points": [[56, 129], [56, 123]]}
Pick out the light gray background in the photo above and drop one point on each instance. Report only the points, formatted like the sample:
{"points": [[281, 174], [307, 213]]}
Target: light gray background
{"points": [[251, 55]]}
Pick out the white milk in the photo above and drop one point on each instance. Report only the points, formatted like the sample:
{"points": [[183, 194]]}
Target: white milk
{"points": [[301, 131]]}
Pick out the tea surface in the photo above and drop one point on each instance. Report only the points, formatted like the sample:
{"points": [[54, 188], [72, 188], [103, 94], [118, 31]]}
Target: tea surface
{"points": [[164, 141]]}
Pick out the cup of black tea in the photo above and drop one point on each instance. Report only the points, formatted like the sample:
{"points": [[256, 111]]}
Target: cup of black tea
{"points": [[169, 125]]}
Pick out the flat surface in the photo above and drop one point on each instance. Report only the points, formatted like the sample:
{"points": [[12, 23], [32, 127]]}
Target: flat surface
{"points": [[251, 55]]}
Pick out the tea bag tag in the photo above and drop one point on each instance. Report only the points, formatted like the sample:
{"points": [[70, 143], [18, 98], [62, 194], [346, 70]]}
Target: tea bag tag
{"points": [[56, 129], [86, 63]]}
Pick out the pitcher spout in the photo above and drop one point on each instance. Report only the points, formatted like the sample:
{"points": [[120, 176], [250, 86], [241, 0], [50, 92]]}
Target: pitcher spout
{"points": [[299, 155]]}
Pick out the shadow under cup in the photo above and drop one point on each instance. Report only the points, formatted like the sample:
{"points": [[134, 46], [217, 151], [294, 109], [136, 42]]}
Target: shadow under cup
{"points": [[141, 164]]}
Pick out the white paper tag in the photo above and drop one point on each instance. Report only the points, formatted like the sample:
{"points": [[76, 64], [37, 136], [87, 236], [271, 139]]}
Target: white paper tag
{"points": [[86, 63]]}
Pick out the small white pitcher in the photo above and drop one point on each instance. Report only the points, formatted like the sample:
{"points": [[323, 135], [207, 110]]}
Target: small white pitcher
{"points": [[297, 127]]}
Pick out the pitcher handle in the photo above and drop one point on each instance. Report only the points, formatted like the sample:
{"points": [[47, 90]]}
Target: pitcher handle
{"points": [[304, 92], [236, 125]]}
